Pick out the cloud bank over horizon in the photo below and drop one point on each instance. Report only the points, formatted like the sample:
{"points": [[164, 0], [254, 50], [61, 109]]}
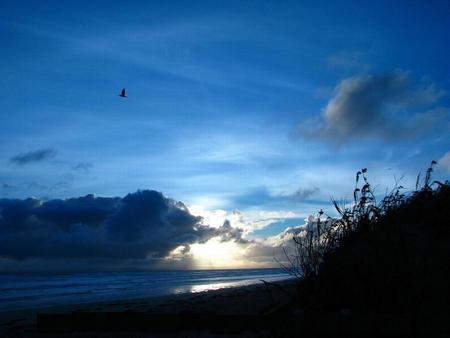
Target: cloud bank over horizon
{"points": [[136, 231]]}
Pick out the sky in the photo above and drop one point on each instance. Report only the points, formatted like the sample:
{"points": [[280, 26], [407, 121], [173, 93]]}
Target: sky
{"points": [[249, 114]]}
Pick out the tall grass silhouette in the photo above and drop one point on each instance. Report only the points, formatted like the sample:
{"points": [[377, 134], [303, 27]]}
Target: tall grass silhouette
{"points": [[387, 255]]}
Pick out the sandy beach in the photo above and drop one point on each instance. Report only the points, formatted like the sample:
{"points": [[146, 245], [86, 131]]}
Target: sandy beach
{"points": [[259, 310], [251, 300]]}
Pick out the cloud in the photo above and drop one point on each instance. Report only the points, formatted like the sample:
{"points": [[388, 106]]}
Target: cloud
{"points": [[444, 162], [247, 222], [228, 233], [262, 196], [142, 227], [275, 248], [257, 252], [381, 105], [272, 251], [302, 194], [33, 156], [83, 166], [142, 230], [36, 187]]}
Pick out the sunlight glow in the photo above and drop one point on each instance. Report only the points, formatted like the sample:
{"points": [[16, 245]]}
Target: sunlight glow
{"points": [[215, 254]]}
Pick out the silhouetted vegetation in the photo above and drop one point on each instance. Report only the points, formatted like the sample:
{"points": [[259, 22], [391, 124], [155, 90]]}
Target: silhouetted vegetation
{"points": [[386, 256]]}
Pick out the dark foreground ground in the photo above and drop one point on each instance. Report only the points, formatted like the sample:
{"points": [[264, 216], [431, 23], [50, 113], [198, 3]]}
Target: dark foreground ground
{"points": [[264, 310]]}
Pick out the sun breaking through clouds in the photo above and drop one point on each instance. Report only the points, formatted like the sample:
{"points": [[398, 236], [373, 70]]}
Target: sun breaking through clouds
{"points": [[142, 230]]}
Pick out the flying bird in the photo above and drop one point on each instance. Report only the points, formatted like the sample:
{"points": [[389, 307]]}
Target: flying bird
{"points": [[122, 93]]}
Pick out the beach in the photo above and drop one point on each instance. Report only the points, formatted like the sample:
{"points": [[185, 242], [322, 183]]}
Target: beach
{"points": [[245, 301]]}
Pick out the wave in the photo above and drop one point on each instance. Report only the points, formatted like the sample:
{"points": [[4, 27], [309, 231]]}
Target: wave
{"points": [[33, 291]]}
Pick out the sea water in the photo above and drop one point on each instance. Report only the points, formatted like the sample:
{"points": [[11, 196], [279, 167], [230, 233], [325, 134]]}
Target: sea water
{"points": [[27, 291]]}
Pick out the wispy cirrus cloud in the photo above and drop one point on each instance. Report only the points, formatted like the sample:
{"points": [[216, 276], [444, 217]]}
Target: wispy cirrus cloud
{"points": [[179, 49], [33, 156]]}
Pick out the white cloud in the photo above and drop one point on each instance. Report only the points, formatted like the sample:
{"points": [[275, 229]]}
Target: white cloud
{"points": [[444, 162], [381, 105], [248, 221]]}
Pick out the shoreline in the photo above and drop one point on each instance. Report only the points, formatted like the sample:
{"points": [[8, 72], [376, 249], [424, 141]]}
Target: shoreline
{"points": [[252, 299], [41, 291], [257, 310]]}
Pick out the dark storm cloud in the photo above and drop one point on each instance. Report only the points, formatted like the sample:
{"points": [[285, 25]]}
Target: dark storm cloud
{"points": [[33, 156], [383, 105], [142, 226]]}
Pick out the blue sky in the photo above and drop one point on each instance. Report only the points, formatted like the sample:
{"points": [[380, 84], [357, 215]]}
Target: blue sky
{"points": [[261, 106]]}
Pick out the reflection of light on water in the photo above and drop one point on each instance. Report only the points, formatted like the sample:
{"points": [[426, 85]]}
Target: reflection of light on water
{"points": [[216, 286], [205, 287], [180, 290], [208, 287], [213, 286]]}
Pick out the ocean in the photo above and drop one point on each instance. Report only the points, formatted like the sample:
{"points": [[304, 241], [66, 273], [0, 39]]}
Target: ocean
{"points": [[19, 292]]}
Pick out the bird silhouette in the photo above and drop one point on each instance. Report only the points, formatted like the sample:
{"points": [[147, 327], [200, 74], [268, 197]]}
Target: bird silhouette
{"points": [[122, 93]]}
